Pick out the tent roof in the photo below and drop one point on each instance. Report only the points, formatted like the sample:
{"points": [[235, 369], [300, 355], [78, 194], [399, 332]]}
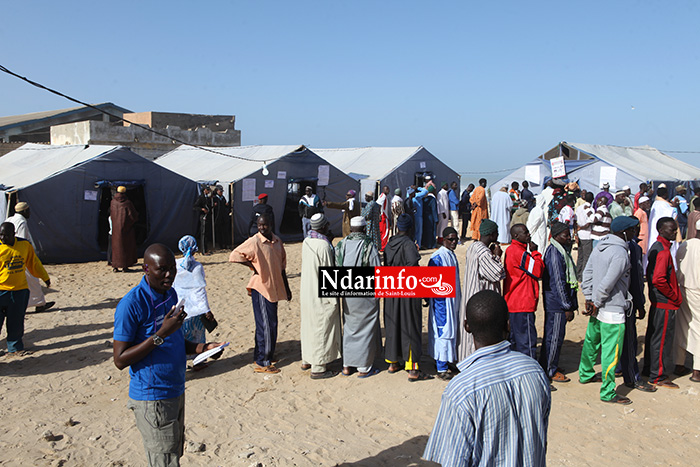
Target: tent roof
{"points": [[644, 162], [32, 163], [373, 163], [198, 164]]}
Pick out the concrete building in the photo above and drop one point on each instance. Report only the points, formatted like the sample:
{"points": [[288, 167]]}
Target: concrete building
{"points": [[87, 126], [35, 127], [202, 130]]}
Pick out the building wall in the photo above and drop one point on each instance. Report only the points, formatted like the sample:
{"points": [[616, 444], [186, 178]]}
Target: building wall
{"points": [[142, 142]]}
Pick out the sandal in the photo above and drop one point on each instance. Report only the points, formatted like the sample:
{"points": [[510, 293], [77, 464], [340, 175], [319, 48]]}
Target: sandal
{"points": [[372, 372], [305, 366], [347, 371], [393, 369], [666, 384], [272, 369], [325, 375], [618, 399], [642, 386], [421, 377], [444, 375], [560, 377]]}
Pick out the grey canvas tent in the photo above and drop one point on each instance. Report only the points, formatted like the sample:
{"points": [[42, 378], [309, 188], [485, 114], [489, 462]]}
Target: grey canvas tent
{"points": [[398, 167], [69, 189], [241, 171], [591, 165]]}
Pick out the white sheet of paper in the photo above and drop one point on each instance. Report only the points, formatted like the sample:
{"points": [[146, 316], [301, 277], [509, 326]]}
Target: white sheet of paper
{"points": [[269, 183], [248, 190], [282, 174], [204, 355], [324, 175], [558, 167], [422, 165], [532, 174], [90, 195], [608, 175]]}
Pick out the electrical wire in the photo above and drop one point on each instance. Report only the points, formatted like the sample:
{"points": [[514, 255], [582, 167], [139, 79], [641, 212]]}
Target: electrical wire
{"points": [[122, 119]]}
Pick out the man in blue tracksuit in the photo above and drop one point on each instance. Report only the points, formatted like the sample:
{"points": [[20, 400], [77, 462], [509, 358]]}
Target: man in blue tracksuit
{"points": [[559, 286]]}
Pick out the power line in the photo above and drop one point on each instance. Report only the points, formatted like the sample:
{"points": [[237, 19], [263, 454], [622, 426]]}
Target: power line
{"points": [[122, 119]]}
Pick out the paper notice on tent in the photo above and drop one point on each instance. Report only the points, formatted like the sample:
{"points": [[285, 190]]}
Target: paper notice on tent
{"points": [[532, 174], [90, 195], [282, 174], [324, 175], [608, 175], [248, 189], [269, 183], [558, 167], [422, 165]]}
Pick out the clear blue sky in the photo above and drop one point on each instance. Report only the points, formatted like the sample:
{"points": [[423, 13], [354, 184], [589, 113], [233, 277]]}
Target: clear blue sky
{"points": [[483, 85]]}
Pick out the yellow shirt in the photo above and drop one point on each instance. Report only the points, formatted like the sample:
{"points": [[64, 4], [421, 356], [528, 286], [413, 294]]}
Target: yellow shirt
{"points": [[14, 259]]}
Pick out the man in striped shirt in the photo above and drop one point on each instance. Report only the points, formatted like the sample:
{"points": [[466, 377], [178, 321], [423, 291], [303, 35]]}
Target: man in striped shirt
{"points": [[496, 410], [601, 221]]}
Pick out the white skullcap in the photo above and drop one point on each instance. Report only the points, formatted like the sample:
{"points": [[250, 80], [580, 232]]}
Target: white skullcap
{"points": [[662, 185], [626, 187], [642, 199], [697, 225], [358, 221]]}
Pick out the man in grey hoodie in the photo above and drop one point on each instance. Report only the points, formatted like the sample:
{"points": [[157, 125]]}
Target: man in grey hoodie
{"points": [[606, 280]]}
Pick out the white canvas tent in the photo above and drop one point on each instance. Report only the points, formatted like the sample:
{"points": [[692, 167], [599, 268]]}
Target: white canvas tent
{"points": [[591, 165], [396, 167], [69, 188], [240, 169]]}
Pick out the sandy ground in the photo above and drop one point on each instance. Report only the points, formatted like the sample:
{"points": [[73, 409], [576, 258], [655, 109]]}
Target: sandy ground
{"points": [[70, 387]]}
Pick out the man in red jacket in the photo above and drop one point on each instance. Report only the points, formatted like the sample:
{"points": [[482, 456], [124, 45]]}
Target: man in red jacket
{"points": [[665, 298], [521, 289]]}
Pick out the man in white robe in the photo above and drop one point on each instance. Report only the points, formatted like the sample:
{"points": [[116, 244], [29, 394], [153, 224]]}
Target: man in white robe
{"points": [[36, 293], [443, 208], [501, 207], [320, 316], [661, 208], [396, 209], [687, 335]]}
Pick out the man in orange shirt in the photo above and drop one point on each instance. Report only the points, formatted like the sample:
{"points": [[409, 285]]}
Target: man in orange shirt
{"points": [[265, 255], [480, 207]]}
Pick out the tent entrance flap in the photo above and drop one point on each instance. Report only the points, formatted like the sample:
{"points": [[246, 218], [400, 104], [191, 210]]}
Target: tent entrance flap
{"points": [[291, 221], [135, 191]]}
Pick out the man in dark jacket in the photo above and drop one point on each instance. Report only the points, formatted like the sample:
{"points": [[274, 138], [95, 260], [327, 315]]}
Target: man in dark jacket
{"points": [[203, 206], [628, 359], [465, 211], [665, 298], [403, 320], [559, 286]]}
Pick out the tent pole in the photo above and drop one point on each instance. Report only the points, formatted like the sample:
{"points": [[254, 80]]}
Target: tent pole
{"points": [[233, 226]]}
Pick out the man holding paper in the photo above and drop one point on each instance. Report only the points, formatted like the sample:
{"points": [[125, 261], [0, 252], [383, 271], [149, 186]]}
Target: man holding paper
{"points": [[148, 339]]}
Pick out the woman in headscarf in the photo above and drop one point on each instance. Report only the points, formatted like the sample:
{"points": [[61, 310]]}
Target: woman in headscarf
{"points": [[191, 284]]}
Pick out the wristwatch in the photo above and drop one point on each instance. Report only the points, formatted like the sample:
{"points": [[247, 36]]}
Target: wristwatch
{"points": [[157, 340]]}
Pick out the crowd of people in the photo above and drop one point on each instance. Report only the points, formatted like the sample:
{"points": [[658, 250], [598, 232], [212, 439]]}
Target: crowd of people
{"points": [[483, 340]]}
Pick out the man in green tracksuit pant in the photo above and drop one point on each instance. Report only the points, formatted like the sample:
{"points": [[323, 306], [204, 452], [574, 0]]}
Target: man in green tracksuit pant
{"points": [[606, 288]]}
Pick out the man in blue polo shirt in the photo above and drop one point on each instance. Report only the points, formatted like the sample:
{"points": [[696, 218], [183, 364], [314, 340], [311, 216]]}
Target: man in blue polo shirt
{"points": [[148, 340]]}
